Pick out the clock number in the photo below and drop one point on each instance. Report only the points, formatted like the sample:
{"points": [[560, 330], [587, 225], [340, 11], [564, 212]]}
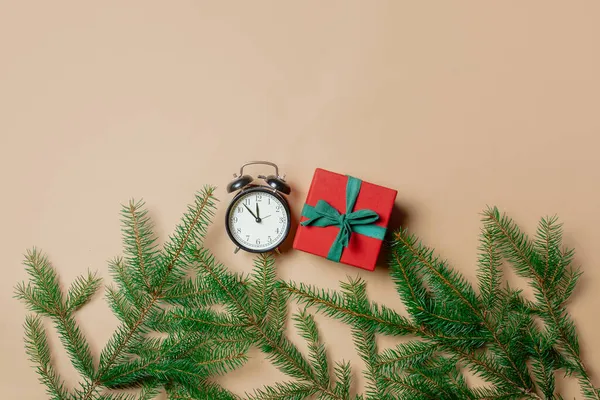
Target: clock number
{"points": [[247, 237], [269, 200], [235, 219], [270, 240], [247, 201], [258, 198], [277, 231], [240, 210], [282, 219], [239, 230], [257, 241], [277, 208]]}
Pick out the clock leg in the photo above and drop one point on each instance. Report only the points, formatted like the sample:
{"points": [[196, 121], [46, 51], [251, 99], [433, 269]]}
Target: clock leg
{"points": [[236, 250], [277, 250]]}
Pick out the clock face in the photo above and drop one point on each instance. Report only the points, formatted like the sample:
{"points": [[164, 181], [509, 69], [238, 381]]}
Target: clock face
{"points": [[258, 220]]}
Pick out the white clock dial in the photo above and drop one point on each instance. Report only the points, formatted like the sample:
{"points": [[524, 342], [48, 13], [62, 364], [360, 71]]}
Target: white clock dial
{"points": [[258, 221]]}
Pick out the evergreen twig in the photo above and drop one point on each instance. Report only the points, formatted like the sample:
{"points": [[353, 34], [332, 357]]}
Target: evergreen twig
{"points": [[272, 341], [491, 331], [148, 279]]}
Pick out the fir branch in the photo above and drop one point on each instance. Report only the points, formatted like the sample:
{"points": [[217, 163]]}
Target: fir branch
{"points": [[451, 325], [180, 358], [529, 263], [488, 368], [489, 273], [457, 379], [262, 284], [450, 284], [146, 393], [190, 293], [188, 235], [43, 295], [208, 322], [139, 241], [164, 370], [81, 291], [385, 320], [121, 307], [44, 279], [75, 344], [33, 299], [496, 394], [405, 355], [409, 388], [404, 255], [206, 390], [343, 375], [436, 374], [277, 311], [543, 363], [138, 298], [284, 391], [437, 321], [364, 338], [148, 280], [444, 281], [276, 346], [318, 358], [334, 305], [38, 351]]}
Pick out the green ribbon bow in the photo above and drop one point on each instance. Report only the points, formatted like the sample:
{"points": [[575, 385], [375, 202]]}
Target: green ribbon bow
{"points": [[360, 221]]}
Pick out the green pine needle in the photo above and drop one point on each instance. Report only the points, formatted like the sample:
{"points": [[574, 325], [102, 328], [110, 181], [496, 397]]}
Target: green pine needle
{"points": [[284, 391], [185, 318], [317, 356], [82, 290], [149, 281], [38, 351]]}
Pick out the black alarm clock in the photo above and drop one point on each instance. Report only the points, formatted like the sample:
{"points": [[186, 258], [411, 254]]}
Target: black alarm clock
{"points": [[258, 218]]}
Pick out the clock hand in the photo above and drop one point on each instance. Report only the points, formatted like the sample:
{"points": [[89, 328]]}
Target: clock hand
{"points": [[250, 211], [257, 211], [265, 217]]}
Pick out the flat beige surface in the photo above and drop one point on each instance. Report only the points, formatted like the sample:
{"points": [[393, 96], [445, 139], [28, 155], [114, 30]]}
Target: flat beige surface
{"points": [[457, 105]]}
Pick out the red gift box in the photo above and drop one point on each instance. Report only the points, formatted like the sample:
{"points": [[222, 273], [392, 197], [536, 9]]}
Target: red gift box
{"points": [[362, 251]]}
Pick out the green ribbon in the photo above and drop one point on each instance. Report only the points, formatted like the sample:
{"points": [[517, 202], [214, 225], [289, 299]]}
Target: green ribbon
{"points": [[360, 221]]}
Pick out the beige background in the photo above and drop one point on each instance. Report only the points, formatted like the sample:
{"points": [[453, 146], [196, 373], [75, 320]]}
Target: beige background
{"points": [[456, 104]]}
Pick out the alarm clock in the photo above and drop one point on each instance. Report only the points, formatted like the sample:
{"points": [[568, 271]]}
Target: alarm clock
{"points": [[258, 219]]}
